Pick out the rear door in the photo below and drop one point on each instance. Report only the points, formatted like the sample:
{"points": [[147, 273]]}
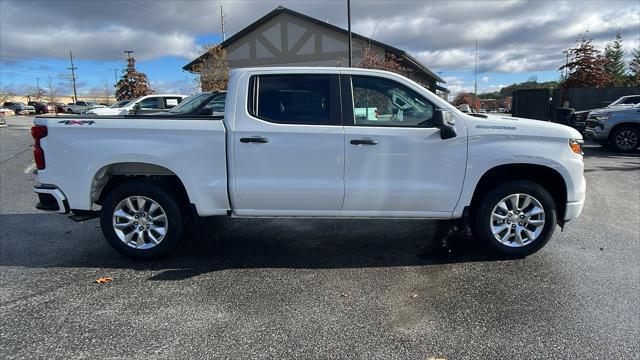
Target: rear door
{"points": [[288, 146], [396, 162]]}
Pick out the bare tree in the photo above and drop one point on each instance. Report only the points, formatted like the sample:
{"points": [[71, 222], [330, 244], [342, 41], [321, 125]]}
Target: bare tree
{"points": [[36, 94], [388, 62], [52, 94], [213, 70], [107, 89], [6, 93]]}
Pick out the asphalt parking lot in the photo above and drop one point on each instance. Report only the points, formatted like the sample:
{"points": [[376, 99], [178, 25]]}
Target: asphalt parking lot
{"points": [[275, 289]]}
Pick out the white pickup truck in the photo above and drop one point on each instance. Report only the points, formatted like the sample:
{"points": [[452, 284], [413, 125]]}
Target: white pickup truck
{"points": [[290, 146], [80, 106]]}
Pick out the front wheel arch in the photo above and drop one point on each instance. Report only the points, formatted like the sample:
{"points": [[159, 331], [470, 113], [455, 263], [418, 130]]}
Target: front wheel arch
{"points": [[613, 132], [545, 176]]}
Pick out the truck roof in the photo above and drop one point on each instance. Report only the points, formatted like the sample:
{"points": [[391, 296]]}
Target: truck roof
{"points": [[312, 70]]}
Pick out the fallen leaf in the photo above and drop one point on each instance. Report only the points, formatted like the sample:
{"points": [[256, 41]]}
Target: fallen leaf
{"points": [[414, 296], [346, 295], [104, 280]]}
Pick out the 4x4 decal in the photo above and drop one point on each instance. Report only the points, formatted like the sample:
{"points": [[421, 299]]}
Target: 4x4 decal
{"points": [[76, 122]]}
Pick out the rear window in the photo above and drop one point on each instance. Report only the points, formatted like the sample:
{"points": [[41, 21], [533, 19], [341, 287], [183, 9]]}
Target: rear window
{"points": [[291, 99]]}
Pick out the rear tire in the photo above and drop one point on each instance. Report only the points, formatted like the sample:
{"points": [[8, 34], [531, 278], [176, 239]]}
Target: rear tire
{"points": [[511, 230], [625, 139], [142, 220]]}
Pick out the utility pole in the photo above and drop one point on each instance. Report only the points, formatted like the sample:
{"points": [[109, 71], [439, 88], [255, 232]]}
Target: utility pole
{"points": [[349, 27], [475, 81], [128, 52], [38, 88], [222, 23], [73, 78]]}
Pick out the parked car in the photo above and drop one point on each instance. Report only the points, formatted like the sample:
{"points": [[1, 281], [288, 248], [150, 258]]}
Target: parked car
{"points": [[289, 145], [143, 105], [579, 118], [209, 103], [465, 108], [42, 107], [6, 112], [79, 106], [617, 127], [19, 108], [60, 107]]}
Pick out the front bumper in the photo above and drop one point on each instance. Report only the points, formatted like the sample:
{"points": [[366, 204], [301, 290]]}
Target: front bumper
{"points": [[573, 209], [596, 133], [51, 199]]}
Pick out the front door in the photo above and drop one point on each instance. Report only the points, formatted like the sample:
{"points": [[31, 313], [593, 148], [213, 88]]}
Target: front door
{"points": [[396, 162], [288, 147]]}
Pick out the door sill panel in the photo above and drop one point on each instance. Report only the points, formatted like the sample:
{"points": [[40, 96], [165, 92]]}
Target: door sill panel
{"points": [[246, 213]]}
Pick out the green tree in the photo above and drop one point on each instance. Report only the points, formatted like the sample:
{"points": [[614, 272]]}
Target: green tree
{"points": [[133, 84], [615, 66], [586, 66], [634, 68]]}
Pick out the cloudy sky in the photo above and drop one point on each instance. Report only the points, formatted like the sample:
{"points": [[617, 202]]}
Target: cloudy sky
{"points": [[517, 39]]}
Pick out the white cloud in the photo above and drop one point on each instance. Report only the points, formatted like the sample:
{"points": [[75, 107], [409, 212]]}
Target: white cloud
{"points": [[513, 36]]}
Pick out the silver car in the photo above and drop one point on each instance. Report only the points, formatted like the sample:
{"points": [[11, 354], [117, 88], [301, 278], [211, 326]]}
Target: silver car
{"points": [[617, 127]]}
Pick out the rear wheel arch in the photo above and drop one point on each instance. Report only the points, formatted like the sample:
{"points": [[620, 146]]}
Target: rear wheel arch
{"points": [[111, 176], [545, 176]]}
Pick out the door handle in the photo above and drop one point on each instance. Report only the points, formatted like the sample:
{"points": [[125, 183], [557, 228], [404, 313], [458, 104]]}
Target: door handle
{"points": [[364, 142], [254, 139]]}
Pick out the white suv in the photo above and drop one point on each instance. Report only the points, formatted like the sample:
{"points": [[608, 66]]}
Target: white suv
{"points": [[142, 105]]}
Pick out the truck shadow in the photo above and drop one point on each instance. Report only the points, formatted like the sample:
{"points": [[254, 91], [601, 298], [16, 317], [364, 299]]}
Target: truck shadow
{"points": [[48, 240]]}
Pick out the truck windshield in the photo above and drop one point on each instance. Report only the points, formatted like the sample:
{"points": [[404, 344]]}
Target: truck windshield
{"points": [[119, 104], [192, 103]]}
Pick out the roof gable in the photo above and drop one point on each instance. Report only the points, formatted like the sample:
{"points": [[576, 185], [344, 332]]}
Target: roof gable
{"points": [[401, 54]]}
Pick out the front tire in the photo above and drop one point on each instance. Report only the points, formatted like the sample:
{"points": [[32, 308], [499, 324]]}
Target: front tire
{"points": [[516, 219], [141, 220], [625, 139]]}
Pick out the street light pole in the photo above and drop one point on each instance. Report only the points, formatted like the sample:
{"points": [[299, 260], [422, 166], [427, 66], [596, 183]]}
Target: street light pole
{"points": [[349, 27]]}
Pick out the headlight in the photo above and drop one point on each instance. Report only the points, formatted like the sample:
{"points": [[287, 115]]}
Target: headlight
{"points": [[602, 118], [576, 145]]}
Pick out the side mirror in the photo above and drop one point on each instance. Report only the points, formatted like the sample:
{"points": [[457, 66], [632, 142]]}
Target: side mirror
{"points": [[445, 121]]}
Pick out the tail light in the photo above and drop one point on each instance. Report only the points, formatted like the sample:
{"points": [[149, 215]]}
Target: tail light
{"points": [[38, 132]]}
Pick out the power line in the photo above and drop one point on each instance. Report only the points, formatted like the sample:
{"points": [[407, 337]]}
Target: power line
{"points": [[73, 77]]}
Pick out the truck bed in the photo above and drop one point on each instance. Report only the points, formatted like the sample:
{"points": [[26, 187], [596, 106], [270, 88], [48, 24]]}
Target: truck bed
{"points": [[91, 147]]}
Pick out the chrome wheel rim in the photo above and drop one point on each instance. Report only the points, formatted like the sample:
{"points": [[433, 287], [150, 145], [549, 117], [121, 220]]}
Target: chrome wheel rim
{"points": [[140, 222], [517, 220], [627, 140]]}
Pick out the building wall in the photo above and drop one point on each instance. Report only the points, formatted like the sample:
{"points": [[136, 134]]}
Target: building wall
{"points": [[100, 99]]}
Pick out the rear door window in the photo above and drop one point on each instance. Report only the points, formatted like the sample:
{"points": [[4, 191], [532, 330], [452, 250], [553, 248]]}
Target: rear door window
{"points": [[149, 103], [295, 99], [170, 102]]}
